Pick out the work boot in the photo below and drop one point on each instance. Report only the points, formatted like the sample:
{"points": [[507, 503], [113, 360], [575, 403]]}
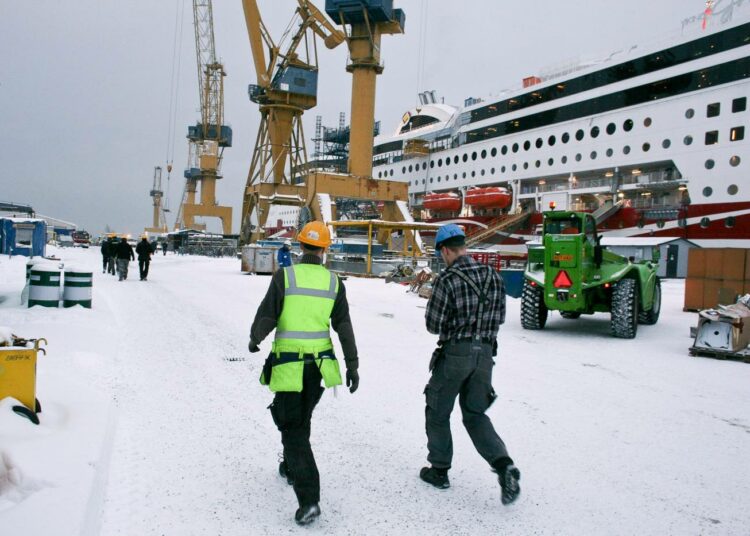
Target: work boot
{"points": [[508, 476], [307, 514], [285, 473], [435, 477]]}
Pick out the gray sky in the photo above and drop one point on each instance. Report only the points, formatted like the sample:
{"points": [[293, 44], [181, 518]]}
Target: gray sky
{"points": [[85, 84]]}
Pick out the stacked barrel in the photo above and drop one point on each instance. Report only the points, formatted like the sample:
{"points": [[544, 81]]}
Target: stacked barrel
{"points": [[44, 285], [716, 276]]}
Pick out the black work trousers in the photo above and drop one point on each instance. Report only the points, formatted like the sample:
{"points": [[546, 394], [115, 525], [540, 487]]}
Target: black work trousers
{"points": [[292, 413], [143, 267], [464, 371], [105, 263]]}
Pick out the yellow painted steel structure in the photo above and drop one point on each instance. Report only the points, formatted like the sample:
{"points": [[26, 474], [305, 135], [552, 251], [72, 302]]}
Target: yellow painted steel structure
{"points": [[18, 373]]}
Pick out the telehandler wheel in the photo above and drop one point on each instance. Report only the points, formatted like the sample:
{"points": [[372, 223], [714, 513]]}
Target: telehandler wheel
{"points": [[570, 315], [651, 317], [533, 309], [625, 309]]}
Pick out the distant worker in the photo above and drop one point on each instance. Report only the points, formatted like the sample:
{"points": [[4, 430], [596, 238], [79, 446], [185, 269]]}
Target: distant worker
{"points": [[105, 249], [466, 309], [164, 247], [144, 251], [124, 255], [284, 255], [302, 301]]}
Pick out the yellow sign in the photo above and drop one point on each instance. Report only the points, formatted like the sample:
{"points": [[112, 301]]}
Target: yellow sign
{"points": [[562, 257], [405, 118]]}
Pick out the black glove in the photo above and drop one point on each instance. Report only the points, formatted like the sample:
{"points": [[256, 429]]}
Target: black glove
{"points": [[253, 347], [352, 379]]}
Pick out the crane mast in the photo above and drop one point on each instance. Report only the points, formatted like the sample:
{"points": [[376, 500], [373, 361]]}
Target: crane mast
{"points": [[159, 220], [209, 137]]}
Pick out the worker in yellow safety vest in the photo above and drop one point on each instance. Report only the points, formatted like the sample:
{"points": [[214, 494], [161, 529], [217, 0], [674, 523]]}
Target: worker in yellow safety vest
{"points": [[302, 302]]}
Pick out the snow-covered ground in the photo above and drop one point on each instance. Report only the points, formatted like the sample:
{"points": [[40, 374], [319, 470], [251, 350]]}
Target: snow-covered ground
{"points": [[154, 421]]}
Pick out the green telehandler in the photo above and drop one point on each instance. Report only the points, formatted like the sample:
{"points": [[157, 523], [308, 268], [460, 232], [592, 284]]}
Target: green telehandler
{"points": [[572, 273]]}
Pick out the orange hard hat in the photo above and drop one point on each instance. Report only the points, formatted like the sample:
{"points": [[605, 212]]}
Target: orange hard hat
{"points": [[316, 234]]}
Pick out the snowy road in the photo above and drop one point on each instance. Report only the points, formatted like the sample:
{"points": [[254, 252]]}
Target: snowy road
{"points": [[611, 436]]}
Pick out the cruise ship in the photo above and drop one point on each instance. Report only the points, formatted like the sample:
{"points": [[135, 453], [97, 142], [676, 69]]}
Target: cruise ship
{"points": [[652, 141]]}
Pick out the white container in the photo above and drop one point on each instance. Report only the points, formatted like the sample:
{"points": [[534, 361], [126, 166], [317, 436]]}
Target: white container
{"points": [[259, 259]]}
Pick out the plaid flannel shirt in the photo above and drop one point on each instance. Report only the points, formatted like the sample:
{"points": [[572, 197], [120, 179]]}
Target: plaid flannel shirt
{"points": [[453, 307]]}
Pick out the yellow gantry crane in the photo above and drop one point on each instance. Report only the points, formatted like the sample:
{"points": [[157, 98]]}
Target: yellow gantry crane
{"points": [[160, 220], [287, 86], [210, 136]]}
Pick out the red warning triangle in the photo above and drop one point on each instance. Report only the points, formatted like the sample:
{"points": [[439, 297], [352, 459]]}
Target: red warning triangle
{"points": [[562, 280]]}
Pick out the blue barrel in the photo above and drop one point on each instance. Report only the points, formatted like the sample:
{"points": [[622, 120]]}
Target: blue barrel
{"points": [[513, 279]]}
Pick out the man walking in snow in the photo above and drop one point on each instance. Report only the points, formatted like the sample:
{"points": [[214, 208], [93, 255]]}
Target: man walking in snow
{"points": [[302, 302], [466, 309], [124, 255], [284, 257], [105, 249], [144, 251]]}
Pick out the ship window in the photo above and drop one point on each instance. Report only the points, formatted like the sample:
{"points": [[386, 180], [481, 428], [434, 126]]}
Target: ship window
{"points": [[579, 134], [515, 148], [538, 163], [732, 190], [712, 137], [525, 165], [689, 113], [646, 147], [578, 157], [455, 176], [411, 168], [403, 170], [515, 167], [611, 128], [660, 224], [739, 105], [432, 164], [627, 126], [539, 143], [492, 171], [564, 159], [595, 132], [482, 173], [705, 222], [737, 134], [380, 174], [502, 169], [565, 137], [431, 180], [713, 109], [463, 176], [473, 173], [682, 222], [729, 222], [391, 173], [593, 155], [465, 157], [626, 149], [610, 152], [734, 161], [504, 150], [647, 122], [422, 181], [455, 159], [687, 140], [484, 153], [447, 161], [710, 163], [424, 165], [440, 163], [526, 145], [551, 140], [438, 179], [550, 162], [666, 144], [493, 152], [474, 155]]}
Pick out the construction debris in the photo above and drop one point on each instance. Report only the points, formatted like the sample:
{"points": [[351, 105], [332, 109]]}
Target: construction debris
{"points": [[724, 332]]}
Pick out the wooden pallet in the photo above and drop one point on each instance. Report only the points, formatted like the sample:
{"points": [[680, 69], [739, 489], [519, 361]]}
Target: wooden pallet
{"points": [[720, 354]]}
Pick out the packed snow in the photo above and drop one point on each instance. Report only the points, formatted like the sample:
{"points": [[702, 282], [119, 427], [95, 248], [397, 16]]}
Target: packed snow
{"points": [[154, 422]]}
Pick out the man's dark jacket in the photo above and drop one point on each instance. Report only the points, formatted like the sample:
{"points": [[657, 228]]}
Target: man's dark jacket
{"points": [[124, 250], [143, 249]]}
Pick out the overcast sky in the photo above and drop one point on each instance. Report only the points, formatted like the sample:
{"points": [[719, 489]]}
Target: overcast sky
{"points": [[85, 84]]}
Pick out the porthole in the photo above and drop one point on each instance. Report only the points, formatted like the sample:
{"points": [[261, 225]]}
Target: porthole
{"points": [[474, 155], [493, 152], [492, 171], [626, 149], [564, 159], [465, 157], [440, 163], [687, 140], [463, 175], [732, 190], [705, 222], [579, 134], [447, 161], [689, 113], [482, 173], [430, 180], [578, 157], [730, 222], [504, 150], [526, 145], [422, 181], [593, 155], [455, 176], [473, 173], [640, 224], [646, 147], [734, 161], [551, 140], [391, 173], [538, 163], [525, 165], [565, 137], [666, 144], [550, 162], [432, 164], [627, 126], [595, 132], [502, 169], [660, 224], [424, 165], [438, 178], [707, 191], [710, 163], [682, 222], [403, 170], [610, 152], [515, 148], [647, 122], [484, 154], [380, 174], [611, 128], [514, 167], [539, 143]]}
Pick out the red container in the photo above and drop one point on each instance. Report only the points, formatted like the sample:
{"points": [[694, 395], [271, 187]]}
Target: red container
{"points": [[492, 197], [447, 201]]}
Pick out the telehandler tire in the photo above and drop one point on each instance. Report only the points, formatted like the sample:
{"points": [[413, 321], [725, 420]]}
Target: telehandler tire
{"points": [[624, 311], [650, 317], [533, 310]]}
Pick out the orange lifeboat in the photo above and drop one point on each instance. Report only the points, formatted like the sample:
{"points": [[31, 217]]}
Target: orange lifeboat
{"points": [[446, 201], [491, 197]]}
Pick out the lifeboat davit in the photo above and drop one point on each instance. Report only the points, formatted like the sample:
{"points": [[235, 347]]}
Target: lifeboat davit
{"points": [[491, 197], [445, 201]]}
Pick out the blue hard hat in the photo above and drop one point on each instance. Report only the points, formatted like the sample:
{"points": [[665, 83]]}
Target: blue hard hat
{"points": [[451, 234]]}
